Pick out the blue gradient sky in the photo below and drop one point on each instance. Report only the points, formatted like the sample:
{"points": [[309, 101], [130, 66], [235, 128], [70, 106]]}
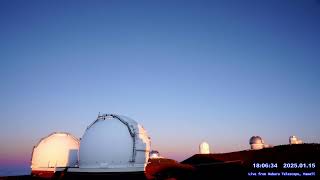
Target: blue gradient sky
{"points": [[189, 71]]}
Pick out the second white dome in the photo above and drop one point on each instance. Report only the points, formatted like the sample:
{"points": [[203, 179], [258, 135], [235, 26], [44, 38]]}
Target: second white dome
{"points": [[114, 141]]}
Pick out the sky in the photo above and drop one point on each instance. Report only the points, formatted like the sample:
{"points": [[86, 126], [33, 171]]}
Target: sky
{"points": [[188, 71]]}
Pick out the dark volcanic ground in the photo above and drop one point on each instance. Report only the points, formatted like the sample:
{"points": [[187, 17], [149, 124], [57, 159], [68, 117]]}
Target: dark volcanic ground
{"points": [[209, 166]]}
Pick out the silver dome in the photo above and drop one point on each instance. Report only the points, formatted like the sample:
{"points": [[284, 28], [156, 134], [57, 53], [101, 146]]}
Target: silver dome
{"points": [[256, 140], [154, 154]]}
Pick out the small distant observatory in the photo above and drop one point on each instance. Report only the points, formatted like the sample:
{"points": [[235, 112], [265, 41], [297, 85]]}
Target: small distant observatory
{"points": [[256, 142], [58, 149], [294, 140], [204, 148], [154, 154], [113, 143]]}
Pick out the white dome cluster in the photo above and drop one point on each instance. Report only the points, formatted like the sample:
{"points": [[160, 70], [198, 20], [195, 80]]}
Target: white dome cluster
{"points": [[112, 143]]}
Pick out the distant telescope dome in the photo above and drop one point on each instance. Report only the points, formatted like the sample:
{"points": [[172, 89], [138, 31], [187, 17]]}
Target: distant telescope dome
{"points": [[58, 149], [204, 148], [256, 142], [154, 154], [114, 143], [294, 140]]}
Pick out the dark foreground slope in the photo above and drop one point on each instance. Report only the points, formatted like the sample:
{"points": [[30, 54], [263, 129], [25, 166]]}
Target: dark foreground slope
{"points": [[284, 160], [290, 160]]}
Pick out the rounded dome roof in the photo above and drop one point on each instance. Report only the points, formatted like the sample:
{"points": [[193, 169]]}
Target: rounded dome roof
{"points": [[292, 137], [58, 149], [256, 140], [114, 141], [204, 144], [154, 154]]}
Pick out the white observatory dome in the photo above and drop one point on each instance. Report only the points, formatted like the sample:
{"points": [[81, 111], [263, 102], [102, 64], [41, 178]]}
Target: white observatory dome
{"points": [[294, 140], [114, 143], [204, 148], [256, 142], [154, 154], [58, 149]]}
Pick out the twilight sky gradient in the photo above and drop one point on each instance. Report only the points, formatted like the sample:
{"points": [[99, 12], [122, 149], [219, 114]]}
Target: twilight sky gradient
{"points": [[189, 71]]}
